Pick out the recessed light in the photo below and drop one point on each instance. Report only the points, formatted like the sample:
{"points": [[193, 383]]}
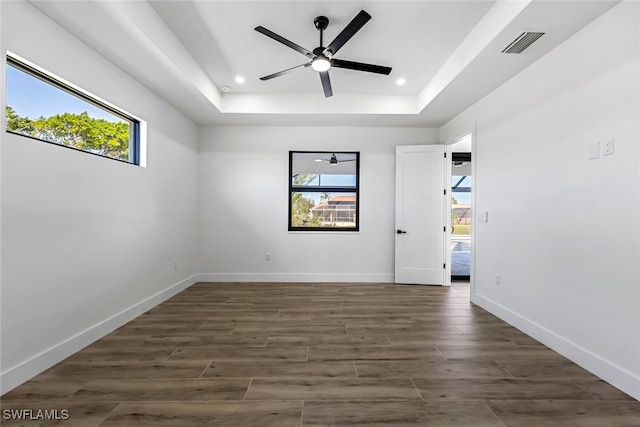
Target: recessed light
{"points": [[400, 82], [225, 88], [239, 79]]}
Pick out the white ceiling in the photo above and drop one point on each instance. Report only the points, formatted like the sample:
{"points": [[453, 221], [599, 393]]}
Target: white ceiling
{"points": [[447, 51]]}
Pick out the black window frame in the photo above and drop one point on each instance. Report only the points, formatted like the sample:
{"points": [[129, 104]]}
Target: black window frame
{"points": [[322, 189], [134, 135]]}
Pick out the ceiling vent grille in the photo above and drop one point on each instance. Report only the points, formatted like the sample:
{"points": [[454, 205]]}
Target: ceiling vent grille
{"points": [[522, 42]]}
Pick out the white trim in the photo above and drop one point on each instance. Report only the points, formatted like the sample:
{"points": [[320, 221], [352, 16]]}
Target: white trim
{"points": [[474, 209], [615, 375], [447, 215], [296, 277], [28, 369]]}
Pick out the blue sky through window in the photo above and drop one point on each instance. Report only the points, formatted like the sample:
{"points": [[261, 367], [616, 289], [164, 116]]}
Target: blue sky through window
{"points": [[34, 98], [462, 198]]}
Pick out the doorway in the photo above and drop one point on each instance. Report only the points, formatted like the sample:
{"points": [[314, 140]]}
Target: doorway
{"points": [[459, 245], [461, 219]]}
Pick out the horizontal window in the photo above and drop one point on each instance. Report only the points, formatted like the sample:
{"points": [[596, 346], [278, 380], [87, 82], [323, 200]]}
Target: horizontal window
{"points": [[43, 107], [323, 191]]}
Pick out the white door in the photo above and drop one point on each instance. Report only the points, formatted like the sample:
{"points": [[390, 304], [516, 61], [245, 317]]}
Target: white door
{"points": [[420, 214]]}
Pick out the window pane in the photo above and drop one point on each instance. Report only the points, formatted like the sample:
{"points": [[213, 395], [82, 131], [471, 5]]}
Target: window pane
{"points": [[323, 210], [324, 169], [461, 189], [461, 225], [37, 107]]}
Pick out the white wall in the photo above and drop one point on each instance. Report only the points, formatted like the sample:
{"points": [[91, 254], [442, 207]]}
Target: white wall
{"points": [[88, 242], [243, 178], [564, 231]]}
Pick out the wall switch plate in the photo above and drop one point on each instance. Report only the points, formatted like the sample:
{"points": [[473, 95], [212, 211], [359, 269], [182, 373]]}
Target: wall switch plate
{"points": [[497, 279], [607, 147], [267, 257], [175, 265], [483, 217], [594, 151]]}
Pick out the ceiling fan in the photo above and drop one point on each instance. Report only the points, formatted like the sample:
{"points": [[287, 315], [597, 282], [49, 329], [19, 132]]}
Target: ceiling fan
{"points": [[333, 161], [322, 57]]}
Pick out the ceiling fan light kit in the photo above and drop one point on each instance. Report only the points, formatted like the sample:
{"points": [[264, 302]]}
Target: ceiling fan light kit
{"points": [[322, 57], [321, 63]]}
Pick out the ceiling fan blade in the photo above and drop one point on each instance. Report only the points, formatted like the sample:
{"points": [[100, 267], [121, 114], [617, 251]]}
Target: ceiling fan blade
{"points": [[359, 66], [353, 27], [347, 160], [326, 84], [284, 41], [287, 71]]}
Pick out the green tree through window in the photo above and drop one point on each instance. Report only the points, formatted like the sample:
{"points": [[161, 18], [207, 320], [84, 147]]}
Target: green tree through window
{"points": [[80, 131], [301, 206]]}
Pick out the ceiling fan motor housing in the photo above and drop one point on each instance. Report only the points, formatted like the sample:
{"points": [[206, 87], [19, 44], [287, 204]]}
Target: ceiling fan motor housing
{"points": [[321, 23]]}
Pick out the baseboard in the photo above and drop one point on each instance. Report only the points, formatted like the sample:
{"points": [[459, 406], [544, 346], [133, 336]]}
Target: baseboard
{"points": [[296, 277], [614, 375], [28, 369]]}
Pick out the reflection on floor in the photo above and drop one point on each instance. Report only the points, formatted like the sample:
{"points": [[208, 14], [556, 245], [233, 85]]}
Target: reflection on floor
{"points": [[284, 354]]}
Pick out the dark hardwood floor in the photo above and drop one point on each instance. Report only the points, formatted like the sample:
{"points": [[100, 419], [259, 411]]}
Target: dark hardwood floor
{"points": [[325, 354]]}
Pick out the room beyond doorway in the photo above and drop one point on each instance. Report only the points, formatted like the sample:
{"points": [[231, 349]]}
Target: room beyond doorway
{"points": [[461, 217]]}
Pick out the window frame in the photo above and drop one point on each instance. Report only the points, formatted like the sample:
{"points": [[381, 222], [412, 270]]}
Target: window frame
{"points": [[322, 189], [46, 77]]}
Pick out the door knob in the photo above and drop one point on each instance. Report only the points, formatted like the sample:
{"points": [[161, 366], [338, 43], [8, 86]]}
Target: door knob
{"points": [[401, 232]]}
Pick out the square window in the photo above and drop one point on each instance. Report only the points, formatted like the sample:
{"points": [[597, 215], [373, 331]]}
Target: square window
{"points": [[323, 191]]}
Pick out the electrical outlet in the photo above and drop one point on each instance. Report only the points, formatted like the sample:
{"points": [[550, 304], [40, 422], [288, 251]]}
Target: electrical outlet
{"points": [[497, 279], [267, 257], [607, 147]]}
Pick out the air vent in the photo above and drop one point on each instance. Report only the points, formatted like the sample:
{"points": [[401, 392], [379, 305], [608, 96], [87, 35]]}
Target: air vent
{"points": [[522, 42]]}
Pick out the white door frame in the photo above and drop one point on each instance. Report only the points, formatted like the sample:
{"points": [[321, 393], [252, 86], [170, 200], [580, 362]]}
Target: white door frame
{"points": [[473, 209], [447, 219]]}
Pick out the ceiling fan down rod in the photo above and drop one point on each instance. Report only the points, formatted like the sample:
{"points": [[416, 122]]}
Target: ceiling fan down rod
{"points": [[321, 23]]}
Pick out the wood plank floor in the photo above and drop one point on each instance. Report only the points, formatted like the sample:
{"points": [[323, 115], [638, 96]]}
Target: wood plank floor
{"points": [[324, 354]]}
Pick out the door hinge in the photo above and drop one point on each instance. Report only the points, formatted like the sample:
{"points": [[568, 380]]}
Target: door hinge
{"points": [[445, 155], [444, 228], [445, 191], [444, 265]]}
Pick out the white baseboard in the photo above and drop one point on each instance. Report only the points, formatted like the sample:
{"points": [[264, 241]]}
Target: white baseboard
{"points": [[28, 369], [296, 277], [614, 375]]}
